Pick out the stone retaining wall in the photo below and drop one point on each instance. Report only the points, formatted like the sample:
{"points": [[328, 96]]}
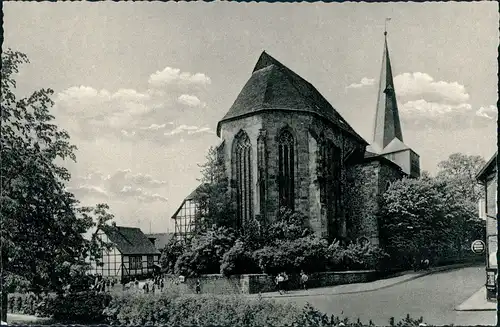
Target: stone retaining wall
{"points": [[261, 283]]}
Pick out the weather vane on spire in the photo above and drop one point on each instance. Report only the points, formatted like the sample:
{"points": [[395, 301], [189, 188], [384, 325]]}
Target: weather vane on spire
{"points": [[385, 27]]}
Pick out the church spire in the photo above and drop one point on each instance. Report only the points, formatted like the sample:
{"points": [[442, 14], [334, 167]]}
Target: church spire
{"points": [[387, 124]]}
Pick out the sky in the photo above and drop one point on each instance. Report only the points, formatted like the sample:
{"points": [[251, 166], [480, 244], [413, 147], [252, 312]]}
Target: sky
{"points": [[140, 87]]}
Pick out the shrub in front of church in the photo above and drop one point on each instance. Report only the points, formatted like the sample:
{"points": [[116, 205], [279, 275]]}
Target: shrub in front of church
{"points": [[354, 256], [204, 255], [288, 225], [304, 253], [238, 260], [363, 256]]}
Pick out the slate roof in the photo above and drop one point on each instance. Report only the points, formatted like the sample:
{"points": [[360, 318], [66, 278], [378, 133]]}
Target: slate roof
{"points": [[387, 123], [161, 239], [189, 197], [130, 240], [396, 145], [371, 156], [489, 168], [273, 86]]}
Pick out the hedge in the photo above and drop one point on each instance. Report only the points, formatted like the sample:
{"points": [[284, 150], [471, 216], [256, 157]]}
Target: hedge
{"points": [[194, 310]]}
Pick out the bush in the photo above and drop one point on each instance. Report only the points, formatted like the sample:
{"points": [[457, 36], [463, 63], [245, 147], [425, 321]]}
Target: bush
{"points": [[335, 257], [363, 256], [204, 311], [83, 307], [206, 252], [289, 226], [305, 253], [355, 256], [170, 253], [238, 260], [29, 304], [198, 311]]}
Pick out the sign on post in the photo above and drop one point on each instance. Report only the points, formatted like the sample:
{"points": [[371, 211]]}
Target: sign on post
{"points": [[478, 247]]}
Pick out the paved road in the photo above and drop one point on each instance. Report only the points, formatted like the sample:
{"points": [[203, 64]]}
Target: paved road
{"points": [[433, 297]]}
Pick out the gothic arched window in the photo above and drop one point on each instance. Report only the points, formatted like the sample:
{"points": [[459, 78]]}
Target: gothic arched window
{"points": [[262, 170], [286, 164], [242, 163], [330, 190]]}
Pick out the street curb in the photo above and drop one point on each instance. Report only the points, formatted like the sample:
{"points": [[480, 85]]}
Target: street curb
{"points": [[435, 270], [473, 310], [477, 302]]}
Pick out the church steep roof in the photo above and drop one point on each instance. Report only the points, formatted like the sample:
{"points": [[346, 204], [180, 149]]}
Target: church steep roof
{"points": [[396, 145], [273, 86], [387, 123]]}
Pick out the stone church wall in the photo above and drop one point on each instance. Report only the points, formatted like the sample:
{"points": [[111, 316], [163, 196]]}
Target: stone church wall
{"points": [[366, 184], [251, 125], [306, 129]]}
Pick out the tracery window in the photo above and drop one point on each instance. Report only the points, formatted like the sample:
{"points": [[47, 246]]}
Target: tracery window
{"points": [[286, 164], [331, 186], [262, 170], [242, 150]]}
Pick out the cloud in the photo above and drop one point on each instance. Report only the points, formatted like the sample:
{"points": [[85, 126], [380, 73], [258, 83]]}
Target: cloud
{"points": [[201, 130], [365, 81], [141, 195], [127, 133], [422, 107], [490, 112], [189, 129], [425, 102], [156, 126], [416, 86], [121, 184], [84, 190], [190, 100], [422, 114], [169, 76], [89, 113]]}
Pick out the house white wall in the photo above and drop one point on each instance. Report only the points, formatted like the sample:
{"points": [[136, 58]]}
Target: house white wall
{"points": [[111, 261]]}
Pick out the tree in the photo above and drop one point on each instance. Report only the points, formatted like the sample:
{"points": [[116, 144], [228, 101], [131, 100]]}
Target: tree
{"points": [[458, 175], [459, 171], [42, 230], [415, 219], [205, 253], [170, 253], [213, 198]]}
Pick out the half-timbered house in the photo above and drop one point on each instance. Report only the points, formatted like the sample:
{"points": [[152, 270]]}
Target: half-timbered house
{"points": [[131, 254]]}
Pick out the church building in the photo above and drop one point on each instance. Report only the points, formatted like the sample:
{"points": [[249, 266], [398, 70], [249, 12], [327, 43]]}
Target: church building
{"points": [[285, 146]]}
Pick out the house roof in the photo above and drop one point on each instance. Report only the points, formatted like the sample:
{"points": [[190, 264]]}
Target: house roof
{"points": [[130, 240], [161, 239], [489, 168], [273, 86], [191, 196]]}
